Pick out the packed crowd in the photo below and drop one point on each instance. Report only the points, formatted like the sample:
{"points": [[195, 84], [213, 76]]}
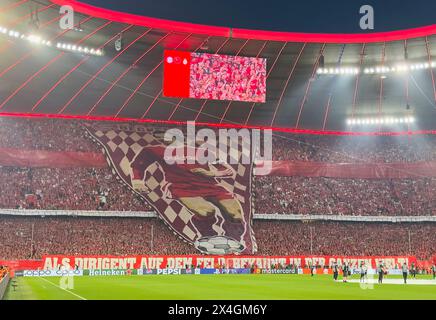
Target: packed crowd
{"points": [[71, 135], [99, 189], [66, 189], [354, 149], [45, 134], [111, 236], [300, 195], [351, 239], [227, 78]]}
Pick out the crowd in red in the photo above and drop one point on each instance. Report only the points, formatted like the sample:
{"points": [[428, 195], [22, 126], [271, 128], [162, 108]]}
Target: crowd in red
{"points": [[300, 195], [98, 189], [70, 135], [45, 134], [66, 189], [227, 78], [111, 236], [354, 149]]}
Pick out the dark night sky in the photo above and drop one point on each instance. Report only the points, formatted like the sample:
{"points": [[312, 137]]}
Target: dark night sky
{"points": [[333, 16]]}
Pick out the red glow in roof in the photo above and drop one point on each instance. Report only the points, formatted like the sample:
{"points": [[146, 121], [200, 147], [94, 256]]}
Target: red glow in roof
{"points": [[216, 125], [245, 33]]}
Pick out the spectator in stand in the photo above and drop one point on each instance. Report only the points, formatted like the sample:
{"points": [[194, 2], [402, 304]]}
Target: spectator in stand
{"points": [[3, 272]]}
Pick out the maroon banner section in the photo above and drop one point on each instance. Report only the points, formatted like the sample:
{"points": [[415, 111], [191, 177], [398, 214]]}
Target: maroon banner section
{"points": [[354, 170], [10, 157], [207, 205], [180, 262]]}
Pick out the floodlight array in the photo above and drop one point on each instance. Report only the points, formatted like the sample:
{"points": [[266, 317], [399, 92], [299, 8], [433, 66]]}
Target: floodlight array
{"points": [[76, 48], [33, 38], [382, 70], [343, 71], [380, 121], [38, 40]]}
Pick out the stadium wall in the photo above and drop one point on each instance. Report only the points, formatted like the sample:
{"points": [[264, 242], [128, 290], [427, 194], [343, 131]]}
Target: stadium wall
{"points": [[3, 285], [179, 262], [287, 217], [210, 262]]}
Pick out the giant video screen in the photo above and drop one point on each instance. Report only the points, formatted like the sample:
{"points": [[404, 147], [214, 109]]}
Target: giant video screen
{"points": [[214, 77]]}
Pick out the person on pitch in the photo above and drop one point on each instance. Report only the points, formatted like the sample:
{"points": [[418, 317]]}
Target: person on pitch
{"points": [[335, 271], [311, 266], [363, 272], [381, 272], [413, 270], [405, 270], [345, 271]]}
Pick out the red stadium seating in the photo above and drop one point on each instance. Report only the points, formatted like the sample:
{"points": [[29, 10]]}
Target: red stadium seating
{"points": [[114, 236]]}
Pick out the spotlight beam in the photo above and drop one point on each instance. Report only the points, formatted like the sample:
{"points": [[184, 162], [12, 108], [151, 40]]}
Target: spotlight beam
{"points": [[12, 6], [207, 39], [294, 65], [267, 76], [431, 70], [27, 55], [74, 68], [124, 73], [309, 86], [356, 88]]}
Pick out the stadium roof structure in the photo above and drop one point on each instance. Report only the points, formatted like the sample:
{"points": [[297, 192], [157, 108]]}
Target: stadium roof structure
{"points": [[38, 79]]}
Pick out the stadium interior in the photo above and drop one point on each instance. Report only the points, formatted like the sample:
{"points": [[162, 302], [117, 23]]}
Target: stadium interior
{"points": [[353, 147]]}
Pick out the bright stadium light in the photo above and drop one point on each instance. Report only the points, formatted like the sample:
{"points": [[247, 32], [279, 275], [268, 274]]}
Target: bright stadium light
{"points": [[380, 120], [32, 38], [382, 70], [341, 71], [36, 39], [75, 48]]}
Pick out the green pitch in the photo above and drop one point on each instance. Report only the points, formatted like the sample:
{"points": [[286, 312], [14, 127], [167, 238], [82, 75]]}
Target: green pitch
{"points": [[213, 287]]}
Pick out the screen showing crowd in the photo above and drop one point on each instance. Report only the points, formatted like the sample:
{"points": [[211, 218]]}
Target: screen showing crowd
{"points": [[214, 77], [218, 77]]}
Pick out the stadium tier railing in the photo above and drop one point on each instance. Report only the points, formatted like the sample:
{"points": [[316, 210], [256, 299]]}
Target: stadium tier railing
{"points": [[345, 218], [77, 213], [3, 286], [288, 217]]}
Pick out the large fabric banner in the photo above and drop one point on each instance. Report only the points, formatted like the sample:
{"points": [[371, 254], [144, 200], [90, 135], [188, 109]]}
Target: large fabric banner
{"points": [[210, 262], [11, 157], [64, 159], [353, 170], [206, 205]]}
